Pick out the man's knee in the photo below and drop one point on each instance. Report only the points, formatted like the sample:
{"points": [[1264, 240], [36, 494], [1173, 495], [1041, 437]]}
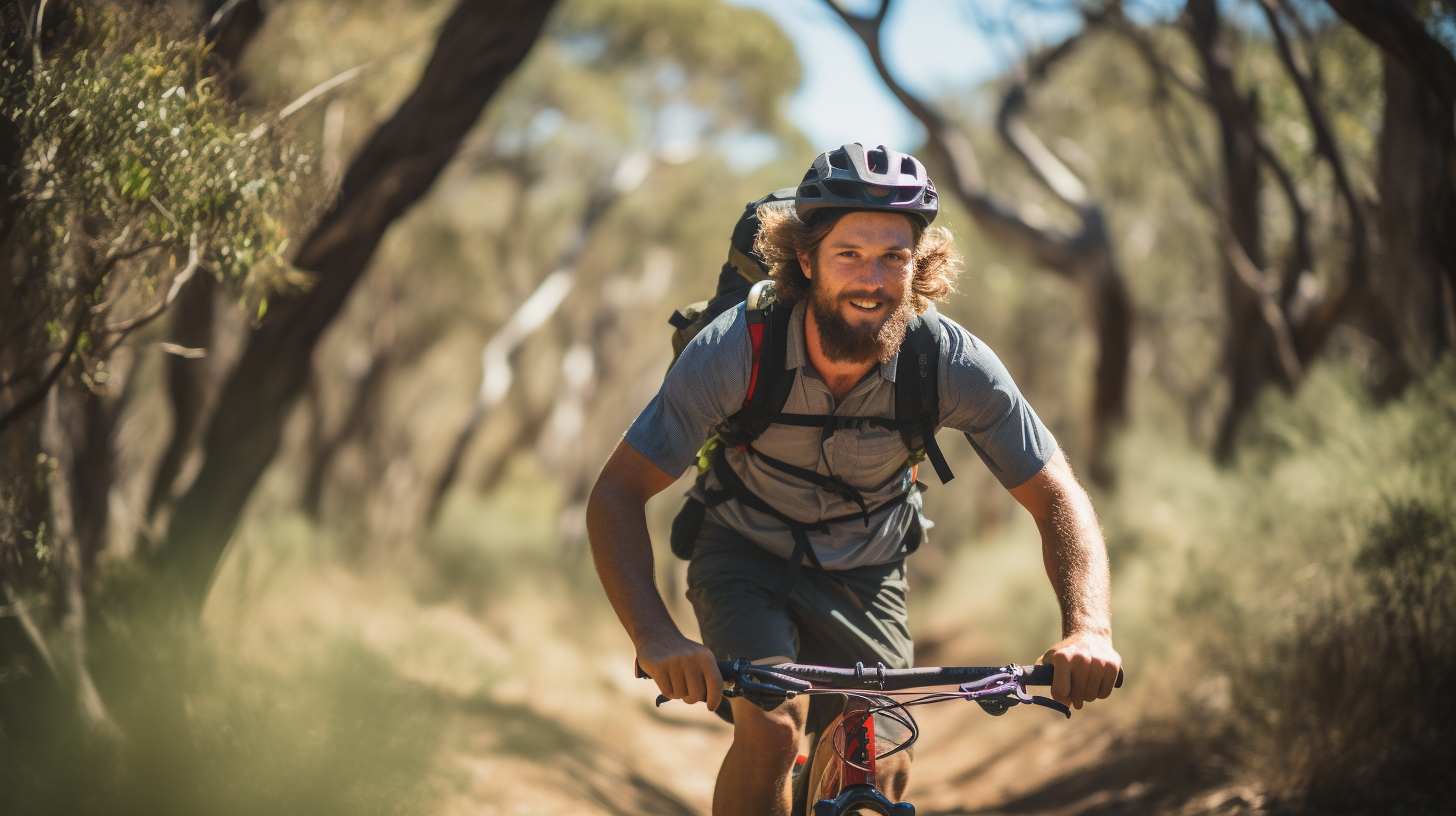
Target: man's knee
{"points": [[771, 734]]}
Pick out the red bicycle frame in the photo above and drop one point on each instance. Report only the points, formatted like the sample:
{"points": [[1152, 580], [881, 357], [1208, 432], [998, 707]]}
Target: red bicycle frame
{"points": [[847, 783]]}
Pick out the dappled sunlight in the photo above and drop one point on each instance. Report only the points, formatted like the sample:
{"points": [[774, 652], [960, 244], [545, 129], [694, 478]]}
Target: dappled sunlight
{"points": [[318, 321]]}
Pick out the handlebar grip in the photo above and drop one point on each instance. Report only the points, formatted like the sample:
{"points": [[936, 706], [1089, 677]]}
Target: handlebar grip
{"points": [[725, 667], [1041, 675]]}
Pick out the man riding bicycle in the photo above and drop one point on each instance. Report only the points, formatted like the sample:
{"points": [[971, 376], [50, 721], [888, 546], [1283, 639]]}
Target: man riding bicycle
{"points": [[805, 514]]}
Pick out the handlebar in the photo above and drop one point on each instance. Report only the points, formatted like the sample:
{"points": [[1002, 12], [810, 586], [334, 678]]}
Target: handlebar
{"points": [[996, 689], [879, 678]]}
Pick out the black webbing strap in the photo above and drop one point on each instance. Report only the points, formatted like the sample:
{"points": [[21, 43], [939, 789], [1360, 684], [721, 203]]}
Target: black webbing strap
{"points": [[831, 423], [932, 452], [734, 487], [831, 483], [917, 392], [802, 548]]}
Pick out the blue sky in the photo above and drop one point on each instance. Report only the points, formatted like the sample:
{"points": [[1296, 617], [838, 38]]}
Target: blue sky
{"points": [[930, 45]]}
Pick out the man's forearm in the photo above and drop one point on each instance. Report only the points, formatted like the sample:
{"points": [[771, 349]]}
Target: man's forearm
{"points": [[1071, 546], [622, 552], [1075, 556]]}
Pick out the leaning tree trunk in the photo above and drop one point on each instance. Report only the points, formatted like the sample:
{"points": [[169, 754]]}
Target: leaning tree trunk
{"points": [[479, 46]]}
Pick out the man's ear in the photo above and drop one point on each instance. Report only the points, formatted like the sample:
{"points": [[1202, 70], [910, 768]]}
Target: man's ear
{"points": [[804, 258]]}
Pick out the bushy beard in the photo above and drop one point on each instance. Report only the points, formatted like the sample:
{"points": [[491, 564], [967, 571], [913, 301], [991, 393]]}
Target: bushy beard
{"points": [[845, 342]]}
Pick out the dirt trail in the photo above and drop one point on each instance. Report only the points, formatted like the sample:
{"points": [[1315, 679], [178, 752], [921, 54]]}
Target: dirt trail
{"points": [[521, 759], [536, 720]]}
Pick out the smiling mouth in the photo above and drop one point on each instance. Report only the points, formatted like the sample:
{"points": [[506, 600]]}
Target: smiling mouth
{"points": [[866, 305]]}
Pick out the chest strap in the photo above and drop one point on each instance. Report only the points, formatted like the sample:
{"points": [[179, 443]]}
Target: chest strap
{"points": [[734, 488]]}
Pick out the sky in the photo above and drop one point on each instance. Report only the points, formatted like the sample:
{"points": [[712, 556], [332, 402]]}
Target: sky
{"points": [[931, 46]]}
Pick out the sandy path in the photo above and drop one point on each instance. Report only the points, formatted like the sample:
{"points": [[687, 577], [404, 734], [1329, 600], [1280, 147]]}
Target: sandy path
{"points": [[528, 758]]}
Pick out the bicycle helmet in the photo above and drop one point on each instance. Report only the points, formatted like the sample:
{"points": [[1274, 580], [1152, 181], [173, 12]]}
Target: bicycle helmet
{"points": [[851, 177]]}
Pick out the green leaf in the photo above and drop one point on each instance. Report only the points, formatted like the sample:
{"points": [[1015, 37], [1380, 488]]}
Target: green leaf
{"points": [[136, 182]]}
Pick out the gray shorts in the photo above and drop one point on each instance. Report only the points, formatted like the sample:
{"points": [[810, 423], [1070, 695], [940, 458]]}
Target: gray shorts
{"points": [[834, 618]]}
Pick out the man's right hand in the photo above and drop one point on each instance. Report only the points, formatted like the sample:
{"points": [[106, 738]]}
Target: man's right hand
{"points": [[684, 670]]}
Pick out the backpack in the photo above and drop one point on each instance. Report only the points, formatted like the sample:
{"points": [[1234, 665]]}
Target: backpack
{"points": [[744, 279], [744, 268]]}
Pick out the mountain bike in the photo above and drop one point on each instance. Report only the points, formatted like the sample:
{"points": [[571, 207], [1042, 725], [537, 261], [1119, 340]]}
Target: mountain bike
{"points": [[846, 785]]}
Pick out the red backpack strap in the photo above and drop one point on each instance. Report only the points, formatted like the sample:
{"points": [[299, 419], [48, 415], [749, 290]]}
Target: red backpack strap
{"points": [[760, 297], [755, 334]]}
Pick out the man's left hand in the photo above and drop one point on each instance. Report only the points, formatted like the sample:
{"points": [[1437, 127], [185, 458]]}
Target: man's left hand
{"points": [[1086, 668]]}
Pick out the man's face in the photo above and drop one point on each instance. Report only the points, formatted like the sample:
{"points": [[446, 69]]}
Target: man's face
{"points": [[860, 285]]}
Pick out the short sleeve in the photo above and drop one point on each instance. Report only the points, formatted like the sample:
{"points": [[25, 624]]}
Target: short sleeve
{"points": [[705, 386], [979, 398]]}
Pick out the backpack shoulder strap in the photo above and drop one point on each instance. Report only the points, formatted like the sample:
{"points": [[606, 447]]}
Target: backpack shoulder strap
{"points": [[917, 391], [770, 383]]}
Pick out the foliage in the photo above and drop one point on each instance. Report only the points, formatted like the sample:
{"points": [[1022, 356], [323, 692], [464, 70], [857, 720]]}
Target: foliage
{"points": [[1315, 595], [130, 148], [319, 724]]}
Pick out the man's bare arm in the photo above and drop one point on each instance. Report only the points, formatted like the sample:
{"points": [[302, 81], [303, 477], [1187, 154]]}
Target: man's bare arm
{"points": [[1075, 557], [622, 551]]}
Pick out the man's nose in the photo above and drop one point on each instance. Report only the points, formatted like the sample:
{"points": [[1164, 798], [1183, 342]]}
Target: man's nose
{"points": [[883, 273]]}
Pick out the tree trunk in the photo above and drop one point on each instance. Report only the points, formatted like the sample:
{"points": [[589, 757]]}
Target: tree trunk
{"points": [[479, 46], [1415, 275], [1430, 71], [189, 385], [69, 561], [325, 447], [1248, 341], [230, 25]]}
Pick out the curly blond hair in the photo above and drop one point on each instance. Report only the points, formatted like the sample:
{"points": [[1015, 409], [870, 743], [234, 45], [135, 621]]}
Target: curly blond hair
{"points": [[782, 236]]}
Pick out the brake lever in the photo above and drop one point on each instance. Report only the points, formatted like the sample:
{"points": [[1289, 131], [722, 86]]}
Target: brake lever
{"points": [[998, 693]]}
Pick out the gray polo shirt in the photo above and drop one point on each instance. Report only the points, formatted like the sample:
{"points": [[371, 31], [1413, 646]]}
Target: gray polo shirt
{"points": [[710, 381]]}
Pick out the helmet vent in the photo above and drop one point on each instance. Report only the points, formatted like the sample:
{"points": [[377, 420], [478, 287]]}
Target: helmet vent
{"points": [[907, 166], [843, 189], [810, 191], [878, 161], [837, 158]]}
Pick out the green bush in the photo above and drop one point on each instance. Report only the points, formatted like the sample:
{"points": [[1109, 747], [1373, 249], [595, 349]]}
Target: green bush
{"points": [[1328, 597]]}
